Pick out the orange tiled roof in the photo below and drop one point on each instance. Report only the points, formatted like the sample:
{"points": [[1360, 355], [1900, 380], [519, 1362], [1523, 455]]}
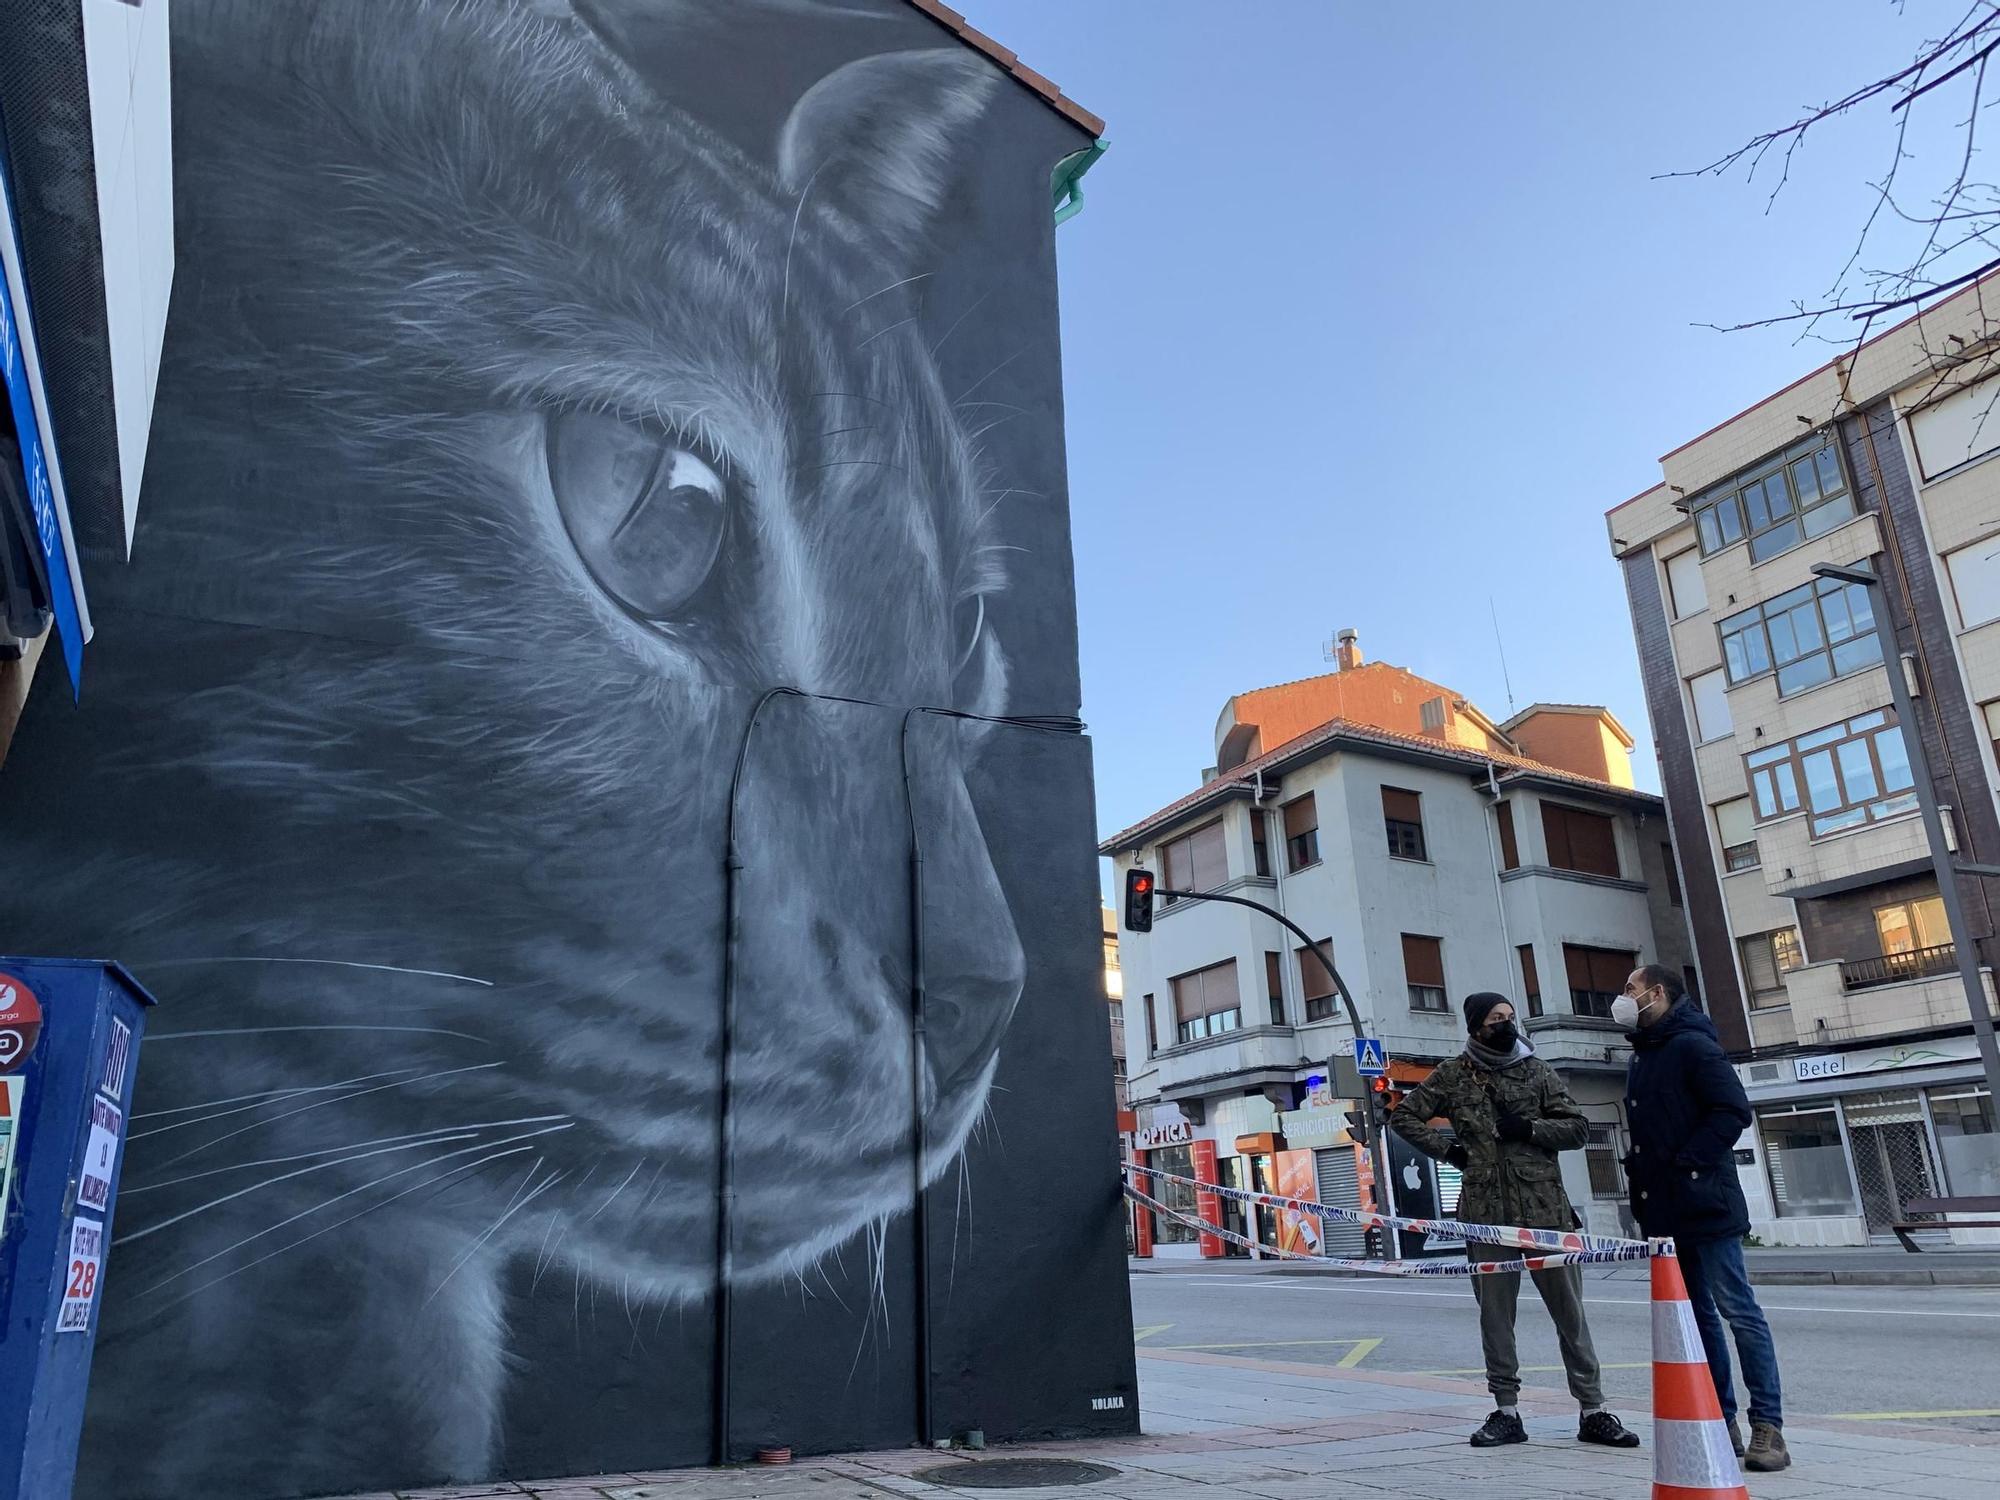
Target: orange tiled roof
{"points": [[1345, 729], [1060, 102]]}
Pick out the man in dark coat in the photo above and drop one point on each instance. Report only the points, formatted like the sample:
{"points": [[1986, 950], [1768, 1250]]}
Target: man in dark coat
{"points": [[1510, 1115], [1687, 1107]]}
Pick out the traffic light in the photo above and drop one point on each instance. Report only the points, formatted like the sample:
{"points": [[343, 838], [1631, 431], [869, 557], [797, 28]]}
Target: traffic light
{"points": [[1357, 1123], [1138, 900], [1387, 1094]]}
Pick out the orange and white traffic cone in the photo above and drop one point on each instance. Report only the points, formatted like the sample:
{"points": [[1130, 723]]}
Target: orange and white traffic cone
{"points": [[1692, 1459]]}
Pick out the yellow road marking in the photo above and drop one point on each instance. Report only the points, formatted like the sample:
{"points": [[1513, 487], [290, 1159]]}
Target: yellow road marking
{"points": [[1905, 1416], [1140, 1335], [1361, 1349]]}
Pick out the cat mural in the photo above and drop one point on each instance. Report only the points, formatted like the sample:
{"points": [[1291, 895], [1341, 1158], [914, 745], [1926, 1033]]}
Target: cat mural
{"points": [[516, 432]]}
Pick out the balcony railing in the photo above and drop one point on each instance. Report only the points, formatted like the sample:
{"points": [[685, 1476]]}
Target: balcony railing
{"points": [[1899, 968]]}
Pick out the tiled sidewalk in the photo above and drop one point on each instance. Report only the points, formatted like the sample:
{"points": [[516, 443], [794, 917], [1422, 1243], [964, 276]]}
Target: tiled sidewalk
{"points": [[1222, 1428]]}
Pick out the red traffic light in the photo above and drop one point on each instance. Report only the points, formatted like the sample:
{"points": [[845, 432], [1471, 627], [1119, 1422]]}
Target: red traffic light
{"points": [[1138, 900], [1380, 1085]]}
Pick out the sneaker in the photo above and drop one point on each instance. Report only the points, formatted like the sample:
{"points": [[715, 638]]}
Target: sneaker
{"points": [[1606, 1431], [1500, 1430], [1767, 1452], [1735, 1437]]}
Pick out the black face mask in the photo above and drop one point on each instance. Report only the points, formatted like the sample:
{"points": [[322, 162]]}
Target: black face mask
{"points": [[1500, 1036]]}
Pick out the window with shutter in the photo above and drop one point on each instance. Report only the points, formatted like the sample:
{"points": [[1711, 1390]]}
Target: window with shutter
{"points": [[1586, 842], [1403, 816], [1510, 848], [1766, 957], [1596, 977], [1207, 1002], [1197, 861], [1274, 985], [1301, 833], [1531, 980], [1260, 848], [1736, 827], [1423, 971], [1316, 985]]}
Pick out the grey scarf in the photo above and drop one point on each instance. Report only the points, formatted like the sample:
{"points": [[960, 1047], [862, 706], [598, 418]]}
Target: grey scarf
{"points": [[1492, 1061]]}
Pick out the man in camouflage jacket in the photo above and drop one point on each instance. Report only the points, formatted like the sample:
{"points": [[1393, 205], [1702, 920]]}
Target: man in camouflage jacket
{"points": [[1510, 1115]]}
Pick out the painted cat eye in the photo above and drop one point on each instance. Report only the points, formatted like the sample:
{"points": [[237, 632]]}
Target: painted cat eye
{"points": [[645, 511]]}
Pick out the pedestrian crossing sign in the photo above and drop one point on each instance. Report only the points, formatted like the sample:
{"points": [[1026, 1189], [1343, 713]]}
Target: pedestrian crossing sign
{"points": [[1369, 1061]]}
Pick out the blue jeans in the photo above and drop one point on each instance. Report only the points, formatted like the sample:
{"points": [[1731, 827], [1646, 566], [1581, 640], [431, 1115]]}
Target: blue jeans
{"points": [[1719, 1287]]}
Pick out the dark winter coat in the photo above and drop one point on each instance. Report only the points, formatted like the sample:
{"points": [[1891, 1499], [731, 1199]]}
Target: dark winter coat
{"points": [[1686, 1108], [1506, 1182]]}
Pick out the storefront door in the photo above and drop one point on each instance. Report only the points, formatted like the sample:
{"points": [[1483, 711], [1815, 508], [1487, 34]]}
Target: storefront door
{"points": [[1892, 1156]]}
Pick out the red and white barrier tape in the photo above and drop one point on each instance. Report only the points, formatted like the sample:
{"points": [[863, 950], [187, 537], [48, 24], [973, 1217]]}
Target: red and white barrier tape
{"points": [[1632, 1250], [1561, 1241]]}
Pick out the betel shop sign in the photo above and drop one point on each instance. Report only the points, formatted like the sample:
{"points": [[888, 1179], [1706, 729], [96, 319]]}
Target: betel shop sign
{"points": [[1173, 1133]]}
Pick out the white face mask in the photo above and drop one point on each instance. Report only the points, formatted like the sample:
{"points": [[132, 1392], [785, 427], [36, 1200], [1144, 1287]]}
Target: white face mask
{"points": [[1625, 1011]]}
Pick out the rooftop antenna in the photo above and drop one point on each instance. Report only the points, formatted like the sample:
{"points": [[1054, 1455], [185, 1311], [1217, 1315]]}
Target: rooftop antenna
{"points": [[1330, 650], [1505, 677]]}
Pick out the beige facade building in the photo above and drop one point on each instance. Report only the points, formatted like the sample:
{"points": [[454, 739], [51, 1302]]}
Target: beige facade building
{"points": [[1824, 953], [1389, 816]]}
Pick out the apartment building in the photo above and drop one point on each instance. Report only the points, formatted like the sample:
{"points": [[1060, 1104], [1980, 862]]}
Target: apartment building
{"points": [[1441, 853], [1819, 925]]}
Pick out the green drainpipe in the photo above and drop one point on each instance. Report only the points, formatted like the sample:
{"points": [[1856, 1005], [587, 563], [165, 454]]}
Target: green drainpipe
{"points": [[1066, 182]]}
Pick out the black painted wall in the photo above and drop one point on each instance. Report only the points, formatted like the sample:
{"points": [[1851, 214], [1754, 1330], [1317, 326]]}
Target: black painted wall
{"points": [[539, 393]]}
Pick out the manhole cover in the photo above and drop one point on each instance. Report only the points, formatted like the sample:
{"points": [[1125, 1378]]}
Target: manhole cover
{"points": [[1015, 1474]]}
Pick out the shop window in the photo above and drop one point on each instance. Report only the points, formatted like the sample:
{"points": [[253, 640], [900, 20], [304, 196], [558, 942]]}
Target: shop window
{"points": [[1316, 984], [1177, 1161], [1967, 1138], [1807, 1162], [1207, 1002], [1423, 972], [1301, 833], [1586, 842], [1197, 861], [1403, 816], [1600, 1156], [1596, 976]]}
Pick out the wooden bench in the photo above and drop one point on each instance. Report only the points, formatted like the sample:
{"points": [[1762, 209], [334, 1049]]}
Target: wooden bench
{"points": [[1945, 1206]]}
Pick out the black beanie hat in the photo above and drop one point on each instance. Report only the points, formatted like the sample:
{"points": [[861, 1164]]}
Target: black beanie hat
{"points": [[1478, 1006]]}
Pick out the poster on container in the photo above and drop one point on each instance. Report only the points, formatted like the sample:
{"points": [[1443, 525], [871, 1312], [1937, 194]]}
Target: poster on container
{"points": [[1297, 1179], [11, 1090], [86, 1259], [100, 1156]]}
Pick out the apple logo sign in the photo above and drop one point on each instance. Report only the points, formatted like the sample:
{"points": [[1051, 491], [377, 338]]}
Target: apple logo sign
{"points": [[1412, 1178]]}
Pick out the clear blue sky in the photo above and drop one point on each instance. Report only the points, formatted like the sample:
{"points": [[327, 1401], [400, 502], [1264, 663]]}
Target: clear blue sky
{"points": [[1375, 309]]}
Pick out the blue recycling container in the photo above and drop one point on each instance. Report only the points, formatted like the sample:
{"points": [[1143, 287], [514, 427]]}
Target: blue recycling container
{"points": [[69, 1047]]}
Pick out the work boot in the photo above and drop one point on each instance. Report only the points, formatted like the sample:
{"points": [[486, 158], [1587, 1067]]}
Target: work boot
{"points": [[1500, 1430], [1735, 1437], [1767, 1452], [1606, 1431]]}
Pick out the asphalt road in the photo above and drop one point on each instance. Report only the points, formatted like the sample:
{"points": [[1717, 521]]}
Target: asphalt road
{"points": [[1927, 1355]]}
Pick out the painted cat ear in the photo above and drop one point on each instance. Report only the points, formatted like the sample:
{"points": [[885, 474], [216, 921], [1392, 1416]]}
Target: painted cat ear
{"points": [[877, 138]]}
